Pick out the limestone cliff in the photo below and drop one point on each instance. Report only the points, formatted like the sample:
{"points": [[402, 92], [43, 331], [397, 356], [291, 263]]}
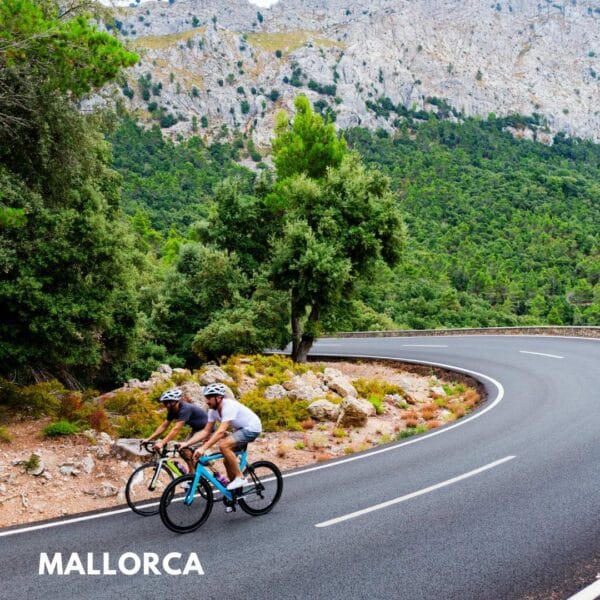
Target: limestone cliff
{"points": [[213, 63]]}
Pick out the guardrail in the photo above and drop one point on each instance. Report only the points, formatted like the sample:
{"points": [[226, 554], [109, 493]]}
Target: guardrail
{"points": [[566, 331]]}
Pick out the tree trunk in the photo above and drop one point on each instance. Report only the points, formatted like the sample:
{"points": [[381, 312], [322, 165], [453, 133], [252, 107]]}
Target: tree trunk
{"points": [[302, 341]]}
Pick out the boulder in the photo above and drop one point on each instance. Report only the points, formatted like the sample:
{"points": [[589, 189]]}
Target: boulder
{"points": [[214, 374], [354, 412], [323, 410], [275, 392], [128, 448], [165, 370], [305, 387], [339, 383], [192, 392]]}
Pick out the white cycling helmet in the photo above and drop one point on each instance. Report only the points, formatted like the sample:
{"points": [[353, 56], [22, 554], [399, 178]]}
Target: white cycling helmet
{"points": [[173, 395], [214, 389]]}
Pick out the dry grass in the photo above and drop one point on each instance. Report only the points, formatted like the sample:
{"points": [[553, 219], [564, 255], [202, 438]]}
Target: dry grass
{"points": [[411, 423], [160, 42], [428, 413], [433, 424], [307, 424]]}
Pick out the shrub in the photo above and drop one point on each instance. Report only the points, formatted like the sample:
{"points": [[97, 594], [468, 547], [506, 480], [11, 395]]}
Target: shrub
{"points": [[307, 424], [33, 400], [277, 415], [374, 387], [70, 407], [377, 402], [33, 462], [5, 436], [432, 424], [410, 431], [98, 420], [299, 445], [338, 432], [60, 428]]}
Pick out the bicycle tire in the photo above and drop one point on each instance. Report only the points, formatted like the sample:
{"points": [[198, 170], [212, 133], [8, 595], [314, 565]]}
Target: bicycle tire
{"points": [[267, 485], [140, 498], [180, 517]]}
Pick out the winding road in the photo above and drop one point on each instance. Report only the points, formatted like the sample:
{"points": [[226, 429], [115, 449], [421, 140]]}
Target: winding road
{"points": [[503, 504]]}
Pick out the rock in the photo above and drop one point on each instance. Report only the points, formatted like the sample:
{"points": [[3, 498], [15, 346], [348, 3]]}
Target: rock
{"points": [[438, 391], [68, 469], [87, 464], [192, 392], [165, 370], [354, 412], [395, 399], [304, 387], [104, 490], [214, 374], [128, 448], [323, 410], [275, 392], [182, 372], [104, 438], [41, 467], [339, 383], [3, 488]]}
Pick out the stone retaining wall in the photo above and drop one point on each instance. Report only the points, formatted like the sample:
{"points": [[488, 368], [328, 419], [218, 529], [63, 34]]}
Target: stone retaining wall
{"points": [[587, 332]]}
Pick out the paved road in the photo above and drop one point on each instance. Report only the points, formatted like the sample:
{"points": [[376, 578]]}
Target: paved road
{"points": [[504, 505]]}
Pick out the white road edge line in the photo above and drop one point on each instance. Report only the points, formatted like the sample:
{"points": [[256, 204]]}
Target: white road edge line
{"points": [[426, 490], [591, 592], [423, 346], [415, 440], [541, 354]]}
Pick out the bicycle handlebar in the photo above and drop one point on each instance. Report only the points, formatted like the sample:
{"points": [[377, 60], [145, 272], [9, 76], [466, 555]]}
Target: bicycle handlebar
{"points": [[149, 447]]}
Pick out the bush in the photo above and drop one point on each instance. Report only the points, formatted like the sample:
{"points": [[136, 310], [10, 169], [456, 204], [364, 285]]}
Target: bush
{"points": [[277, 415], [5, 436], [33, 400], [60, 428]]}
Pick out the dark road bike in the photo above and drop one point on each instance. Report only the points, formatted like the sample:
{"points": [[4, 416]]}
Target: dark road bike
{"points": [[148, 482]]}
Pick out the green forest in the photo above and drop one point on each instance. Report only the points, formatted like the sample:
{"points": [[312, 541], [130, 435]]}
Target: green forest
{"points": [[121, 249]]}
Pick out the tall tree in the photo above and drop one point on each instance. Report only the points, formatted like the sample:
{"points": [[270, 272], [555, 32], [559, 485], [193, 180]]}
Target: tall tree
{"points": [[333, 233], [67, 284]]}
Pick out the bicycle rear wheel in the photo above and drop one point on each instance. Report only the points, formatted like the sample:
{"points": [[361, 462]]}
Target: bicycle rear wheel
{"points": [[145, 487], [180, 513], [266, 488]]}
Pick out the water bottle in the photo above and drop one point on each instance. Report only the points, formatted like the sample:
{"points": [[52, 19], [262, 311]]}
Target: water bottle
{"points": [[181, 466], [221, 479]]}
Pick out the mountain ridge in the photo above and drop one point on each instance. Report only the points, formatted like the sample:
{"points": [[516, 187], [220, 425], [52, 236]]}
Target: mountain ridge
{"points": [[237, 64]]}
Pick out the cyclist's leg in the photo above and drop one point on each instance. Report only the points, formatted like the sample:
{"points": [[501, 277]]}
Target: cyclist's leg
{"points": [[228, 446], [187, 455]]}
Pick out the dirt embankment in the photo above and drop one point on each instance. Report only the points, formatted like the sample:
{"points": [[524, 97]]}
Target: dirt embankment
{"points": [[81, 472]]}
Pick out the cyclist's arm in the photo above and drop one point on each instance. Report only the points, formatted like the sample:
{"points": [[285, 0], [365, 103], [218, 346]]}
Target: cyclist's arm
{"points": [[219, 434], [199, 436], [174, 431], [159, 431]]}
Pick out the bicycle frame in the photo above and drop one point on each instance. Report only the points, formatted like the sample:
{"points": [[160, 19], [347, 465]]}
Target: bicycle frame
{"points": [[169, 464], [202, 471]]}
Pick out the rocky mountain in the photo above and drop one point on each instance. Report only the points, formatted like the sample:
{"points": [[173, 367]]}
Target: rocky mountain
{"points": [[210, 64]]}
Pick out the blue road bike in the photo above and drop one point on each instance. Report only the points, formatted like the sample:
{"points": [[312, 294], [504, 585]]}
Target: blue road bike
{"points": [[187, 501]]}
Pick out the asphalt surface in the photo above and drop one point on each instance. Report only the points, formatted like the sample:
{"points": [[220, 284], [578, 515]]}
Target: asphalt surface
{"points": [[502, 504]]}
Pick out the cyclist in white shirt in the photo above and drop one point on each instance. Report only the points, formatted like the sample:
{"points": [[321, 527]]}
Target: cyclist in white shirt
{"points": [[230, 414]]}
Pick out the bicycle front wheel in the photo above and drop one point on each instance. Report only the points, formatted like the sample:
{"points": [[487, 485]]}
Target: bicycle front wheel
{"points": [[145, 487], [265, 490], [178, 511]]}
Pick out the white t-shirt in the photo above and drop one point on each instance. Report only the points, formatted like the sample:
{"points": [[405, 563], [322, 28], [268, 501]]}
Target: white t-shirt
{"points": [[240, 416]]}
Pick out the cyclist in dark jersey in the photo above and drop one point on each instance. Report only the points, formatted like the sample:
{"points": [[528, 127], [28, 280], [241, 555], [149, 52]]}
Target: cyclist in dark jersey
{"points": [[183, 413]]}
